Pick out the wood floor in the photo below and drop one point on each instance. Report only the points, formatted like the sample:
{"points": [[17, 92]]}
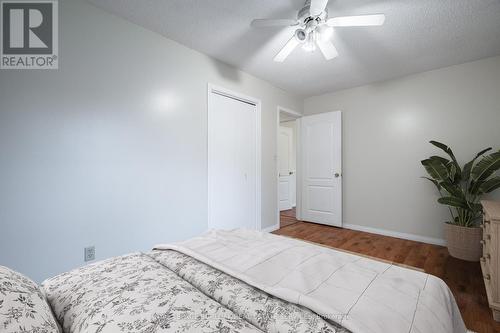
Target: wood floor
{"points": [[287, 217], [463, 278]]}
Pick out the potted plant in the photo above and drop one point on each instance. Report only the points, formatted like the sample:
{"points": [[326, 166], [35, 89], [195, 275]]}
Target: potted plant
{"points": [[461, 189]]}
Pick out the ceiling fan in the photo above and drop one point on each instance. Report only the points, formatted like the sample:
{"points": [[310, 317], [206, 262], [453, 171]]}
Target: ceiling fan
{"points": [[315, 28]]}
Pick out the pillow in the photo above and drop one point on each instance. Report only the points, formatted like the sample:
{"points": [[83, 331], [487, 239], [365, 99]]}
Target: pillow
{"points": [[23, 307]]}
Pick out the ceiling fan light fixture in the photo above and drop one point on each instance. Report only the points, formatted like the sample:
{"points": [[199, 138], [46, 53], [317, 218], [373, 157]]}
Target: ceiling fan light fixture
{"points": [[310, 44], [300, 35], [309, 47]]}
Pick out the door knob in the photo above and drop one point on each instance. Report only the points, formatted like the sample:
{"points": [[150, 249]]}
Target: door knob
{"points": [[290, 173], [337, 175]]}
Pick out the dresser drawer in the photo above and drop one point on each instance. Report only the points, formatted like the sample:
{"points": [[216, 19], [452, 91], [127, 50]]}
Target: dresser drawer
{"points": [[487, 280], [486, 244], [491, 254], [486, 267]]}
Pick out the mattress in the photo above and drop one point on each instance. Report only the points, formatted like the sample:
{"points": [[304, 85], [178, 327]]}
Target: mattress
{"points": [[248, 281], [360, 294]]}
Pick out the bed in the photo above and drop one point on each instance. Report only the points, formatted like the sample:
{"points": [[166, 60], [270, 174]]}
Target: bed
{"points": [[248, 281]]}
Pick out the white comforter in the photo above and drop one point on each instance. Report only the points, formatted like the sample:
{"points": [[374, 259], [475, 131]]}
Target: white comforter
{"points": [[364, 295]]}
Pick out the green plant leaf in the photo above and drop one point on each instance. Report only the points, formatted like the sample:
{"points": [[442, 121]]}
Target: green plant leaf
{"points": [[453, 173], [476, 207], [490, 185], [448, 151], [443, 160], [454, 202], [468, 166], [453, 189], [452, 168], [435, 182], [436, 169], [486, 167], [475, 186]]}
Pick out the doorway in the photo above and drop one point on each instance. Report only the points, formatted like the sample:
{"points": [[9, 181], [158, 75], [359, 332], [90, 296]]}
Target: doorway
{"points": [[309, 168], [287, 166], [234, 162]]}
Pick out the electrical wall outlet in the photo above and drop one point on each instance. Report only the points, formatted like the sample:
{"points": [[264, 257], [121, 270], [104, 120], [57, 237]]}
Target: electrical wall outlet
{"points": [[89, 253]]}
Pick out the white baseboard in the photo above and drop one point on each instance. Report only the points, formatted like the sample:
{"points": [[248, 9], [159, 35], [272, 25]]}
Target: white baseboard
{"points": [[271, 228], [413, 237]]}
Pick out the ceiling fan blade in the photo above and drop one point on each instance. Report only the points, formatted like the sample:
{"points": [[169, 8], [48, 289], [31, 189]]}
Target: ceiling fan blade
{"points": [[317, 7], [328, 49], [287, 49], [357, 21], [264, 23]]}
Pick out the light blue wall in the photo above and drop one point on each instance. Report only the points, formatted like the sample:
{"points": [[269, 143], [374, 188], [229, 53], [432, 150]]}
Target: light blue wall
{"points": [[110, 150]]}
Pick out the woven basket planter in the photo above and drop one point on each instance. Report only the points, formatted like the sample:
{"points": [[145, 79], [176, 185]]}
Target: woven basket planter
{"points": [[464, 243]]}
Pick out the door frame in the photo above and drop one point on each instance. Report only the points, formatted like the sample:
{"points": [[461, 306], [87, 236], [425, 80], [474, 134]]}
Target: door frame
{"points": [[211, 88], [298, 179]]}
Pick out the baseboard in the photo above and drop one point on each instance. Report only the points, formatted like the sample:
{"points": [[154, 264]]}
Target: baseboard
{"points": [[413, 237], [271, 228]]}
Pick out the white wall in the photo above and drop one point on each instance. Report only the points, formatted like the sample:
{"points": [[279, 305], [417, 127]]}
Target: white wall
{"points": [[111, 150], [386, 129]]}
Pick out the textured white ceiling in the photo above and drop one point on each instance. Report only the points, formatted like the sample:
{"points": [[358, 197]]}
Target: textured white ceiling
{"points": [[418, 35]]}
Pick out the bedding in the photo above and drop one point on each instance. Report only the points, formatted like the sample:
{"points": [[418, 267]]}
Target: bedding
{"points": [[23, 307], [360, 294], [248, 281], [169, 292]]}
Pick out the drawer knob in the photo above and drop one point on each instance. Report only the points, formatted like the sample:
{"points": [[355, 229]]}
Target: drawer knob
{"points": [[486, 256], [487, 277]]}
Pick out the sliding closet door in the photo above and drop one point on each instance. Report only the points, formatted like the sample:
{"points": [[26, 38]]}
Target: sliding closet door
{"points": [[232, 163]]}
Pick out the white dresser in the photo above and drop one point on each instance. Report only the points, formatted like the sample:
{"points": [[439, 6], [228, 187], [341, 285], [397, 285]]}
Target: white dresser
{"points": [[490, 261]]}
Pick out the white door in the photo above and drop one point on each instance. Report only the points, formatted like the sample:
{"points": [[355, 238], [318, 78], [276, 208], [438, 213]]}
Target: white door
{"points": [[285, 155], [321, 143], [232, 154]]}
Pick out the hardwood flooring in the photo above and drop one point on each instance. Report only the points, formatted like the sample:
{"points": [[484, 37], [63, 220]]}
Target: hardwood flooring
{"points": [[463, 278], [287, 217]]}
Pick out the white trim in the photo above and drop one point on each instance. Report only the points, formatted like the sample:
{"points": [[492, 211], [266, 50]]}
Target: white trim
{"points": [[211, 88], [403, 235], [271, 228], [297, 199], [289, 111], [298, 169]]}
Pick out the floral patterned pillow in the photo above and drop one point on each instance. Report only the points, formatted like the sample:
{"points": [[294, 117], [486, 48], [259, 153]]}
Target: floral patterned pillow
{"points": [[23, 307]]}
